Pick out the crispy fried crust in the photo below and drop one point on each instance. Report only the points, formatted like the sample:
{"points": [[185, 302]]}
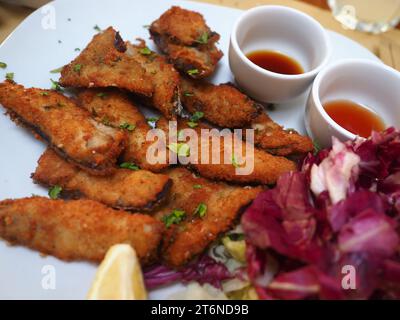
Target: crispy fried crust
{"points": [[222, 104], [114, 108], [68, 129], [164, 77], [77, 229], [184, 241], [104, 63], [267, 168], [187, 41], [138, 190], [273, 138]]}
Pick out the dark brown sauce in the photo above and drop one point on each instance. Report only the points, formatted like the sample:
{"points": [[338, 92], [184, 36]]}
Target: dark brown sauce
{"points": [[354, 117], [275, 62]]}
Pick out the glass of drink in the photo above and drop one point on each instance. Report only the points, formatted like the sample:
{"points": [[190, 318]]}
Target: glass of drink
{"points": [[373, 16]]}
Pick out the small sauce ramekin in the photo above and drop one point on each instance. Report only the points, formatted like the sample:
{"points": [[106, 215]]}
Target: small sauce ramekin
{"points": [[282, 29]]}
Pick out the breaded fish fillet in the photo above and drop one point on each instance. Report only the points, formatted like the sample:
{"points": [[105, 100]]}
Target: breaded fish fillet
{"points": [[223, 104], [68, 129], [139, 190], [266, 168], [164, 78], [273, 138], [223, 205], [77, 229], [105, 63], [185, 38], [114, 108]]}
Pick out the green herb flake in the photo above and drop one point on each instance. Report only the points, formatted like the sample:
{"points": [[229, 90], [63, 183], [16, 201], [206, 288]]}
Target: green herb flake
{"points": [[317, 147], [234, 161], [77, 49], [54, 192], [129, 165], [152, 120], [197, 116], [44, 93], [101, 95], [3, 65], [197, 186], [77, 67], [181, 149], [201, 210], [55, 85], [97, 28], [146, 26], [10, 76], [175, 217], [188, 94], [192, 124], [145, 51], [203, 39], [127, 126], [58, 70], [192, 72]]}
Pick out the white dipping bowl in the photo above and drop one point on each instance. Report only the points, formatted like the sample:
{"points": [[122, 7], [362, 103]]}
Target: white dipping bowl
{"points": [[282, 29], [372, 84]]}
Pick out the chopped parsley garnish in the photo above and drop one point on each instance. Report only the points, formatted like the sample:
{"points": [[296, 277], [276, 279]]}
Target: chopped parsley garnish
{"points": [[188, 94], [181, 149], [127, 126], [197, 116], [201, 210], [317, 148], [175, 217], [234, 162], [77, 67], [181, 136], [10, 76], [55, 85], [236, 236], [197, 186], [77, 49], [203, 39], [54, 192], [44, 93], [192, 72], [146, 26], [97, 28], [101, 95], [192, 124], [152, 120], [3, 65], [129, 165], [58, 70], [145, 51]]}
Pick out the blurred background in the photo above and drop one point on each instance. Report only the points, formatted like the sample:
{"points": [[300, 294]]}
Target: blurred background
{"points": [[373, 23]]}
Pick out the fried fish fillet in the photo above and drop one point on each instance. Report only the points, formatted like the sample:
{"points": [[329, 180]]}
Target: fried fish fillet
{"points": [[211, 157], [68, 129], [223, 205], [222, 104], [164, 78], [114, 108], [77, 229], [105, 63], [273, 138], [139, 190], [185, 38]]}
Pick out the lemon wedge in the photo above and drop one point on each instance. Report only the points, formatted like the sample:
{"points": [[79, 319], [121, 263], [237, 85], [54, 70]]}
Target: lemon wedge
{"points": [[119, 276]]}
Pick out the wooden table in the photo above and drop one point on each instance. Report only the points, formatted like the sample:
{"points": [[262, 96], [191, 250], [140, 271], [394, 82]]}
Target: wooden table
{"points": [[386, 46]]}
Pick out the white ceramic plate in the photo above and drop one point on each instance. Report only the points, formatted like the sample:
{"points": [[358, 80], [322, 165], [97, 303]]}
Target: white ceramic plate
{"points": [[31, 51]]}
